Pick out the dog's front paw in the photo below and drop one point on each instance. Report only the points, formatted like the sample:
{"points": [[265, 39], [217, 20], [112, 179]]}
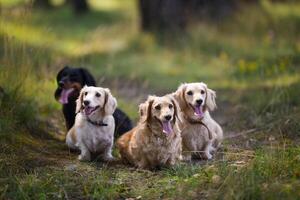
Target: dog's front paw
{"points": [[108, 158], [186, 158], [208, 155], [84, 158], [171, 162], [212, 150], [180, 158]]}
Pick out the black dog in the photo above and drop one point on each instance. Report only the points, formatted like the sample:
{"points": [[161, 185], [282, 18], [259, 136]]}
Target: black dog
{"points": [[70, 81]]}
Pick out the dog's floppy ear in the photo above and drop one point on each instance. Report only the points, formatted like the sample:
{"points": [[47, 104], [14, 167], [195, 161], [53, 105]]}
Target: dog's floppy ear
{"points": [[58, 78], [57, 93], [80, 100], [211, 99], [88, 79], [110, 102], [143, 110], [177, 110], [179, 95], [59, 74], [146, 109]]}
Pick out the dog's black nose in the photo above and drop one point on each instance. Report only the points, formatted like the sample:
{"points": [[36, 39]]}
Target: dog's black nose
{"points": [[168, 117], [86, 103], [61, 84], [199, 101]]}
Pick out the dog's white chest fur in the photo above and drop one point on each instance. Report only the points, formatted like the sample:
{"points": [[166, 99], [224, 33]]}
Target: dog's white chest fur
{"points": [[91, 138], [93, 104], [95, 137]]}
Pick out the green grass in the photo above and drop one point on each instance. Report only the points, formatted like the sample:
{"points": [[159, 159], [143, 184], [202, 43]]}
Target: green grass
{"points": [[251, 59]]}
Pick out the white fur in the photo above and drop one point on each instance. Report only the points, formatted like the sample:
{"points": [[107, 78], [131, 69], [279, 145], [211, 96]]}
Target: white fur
{"points": [[90, 138]]}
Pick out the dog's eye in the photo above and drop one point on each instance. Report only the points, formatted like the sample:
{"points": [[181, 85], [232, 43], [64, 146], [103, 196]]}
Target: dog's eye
{"points": [[170, 106], [98, 94], [85, 93], [157, 107], [202, 91], [190, 93]]}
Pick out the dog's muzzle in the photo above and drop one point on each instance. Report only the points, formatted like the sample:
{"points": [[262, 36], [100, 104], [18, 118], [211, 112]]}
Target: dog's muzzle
{"points": [[167, 127], [88, 110], [198, 110]]}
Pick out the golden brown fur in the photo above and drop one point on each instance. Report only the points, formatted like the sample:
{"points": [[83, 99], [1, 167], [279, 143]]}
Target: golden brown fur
{"points": [[196, 100], [152, 143]]}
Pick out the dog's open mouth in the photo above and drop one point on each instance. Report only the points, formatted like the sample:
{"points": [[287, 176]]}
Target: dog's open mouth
{"points": [[198, 111], [65, 93], [88, 110], [167, 127]]}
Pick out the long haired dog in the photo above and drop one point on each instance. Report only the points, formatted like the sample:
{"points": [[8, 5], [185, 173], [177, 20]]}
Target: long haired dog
{"points": [[93, 131], [70, 81], [201, 133], [156, 140]]}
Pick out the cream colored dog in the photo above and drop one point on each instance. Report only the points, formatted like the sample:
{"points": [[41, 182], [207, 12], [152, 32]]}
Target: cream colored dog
{"points": [[156, 140], [200, 133], [93, 131]]}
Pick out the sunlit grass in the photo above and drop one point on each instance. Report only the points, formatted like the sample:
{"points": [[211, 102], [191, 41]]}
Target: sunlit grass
{"points": [[281, 10], [9, 3], [97, 41], [112, 5], [39, 38]]}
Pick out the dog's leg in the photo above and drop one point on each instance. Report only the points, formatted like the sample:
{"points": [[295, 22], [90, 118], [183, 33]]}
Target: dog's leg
{"points": [[143, 164], [186, 147], [172, 160], [107, 156], [213, 148], [186, 156], [71, 139], [179, 156], [85, 153], [208, 149]]}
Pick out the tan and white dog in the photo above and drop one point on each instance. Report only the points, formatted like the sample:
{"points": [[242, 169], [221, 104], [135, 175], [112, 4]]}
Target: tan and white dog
{"points": [[93, 131], [156, 140], [201, 133]]}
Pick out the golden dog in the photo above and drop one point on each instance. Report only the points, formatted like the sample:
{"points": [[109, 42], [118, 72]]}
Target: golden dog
{"points": [[201, 133], [156, 140]]}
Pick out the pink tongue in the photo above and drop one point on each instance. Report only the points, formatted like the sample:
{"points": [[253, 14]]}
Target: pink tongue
{"points": [[167, 127], [198, 111], [64, 95], [88, 110]]}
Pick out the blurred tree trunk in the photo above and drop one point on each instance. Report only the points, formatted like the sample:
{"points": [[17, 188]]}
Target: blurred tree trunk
{"points": [[209, 9], [42, 4], [161, 15], [173, 15], [80, 6]]}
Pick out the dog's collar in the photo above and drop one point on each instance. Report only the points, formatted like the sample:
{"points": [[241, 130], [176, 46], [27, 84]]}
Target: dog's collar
{"points": [[192, 121], [100, 123]]}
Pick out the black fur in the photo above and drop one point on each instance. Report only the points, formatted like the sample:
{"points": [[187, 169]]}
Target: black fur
{"points": [[68, 76]]}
